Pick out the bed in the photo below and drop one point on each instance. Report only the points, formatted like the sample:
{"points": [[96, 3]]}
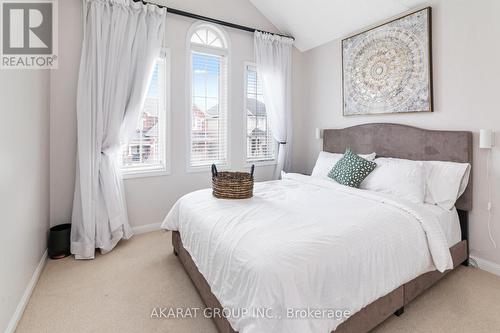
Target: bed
{"points": [[384, 265]]}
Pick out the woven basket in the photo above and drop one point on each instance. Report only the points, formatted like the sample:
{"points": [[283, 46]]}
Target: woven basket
{"points": [[232, 185]]}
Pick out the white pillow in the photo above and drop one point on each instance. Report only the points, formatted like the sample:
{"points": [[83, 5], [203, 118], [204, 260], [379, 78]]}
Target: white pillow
{"points": [[398, 177], [446, 182], [326, 162]]}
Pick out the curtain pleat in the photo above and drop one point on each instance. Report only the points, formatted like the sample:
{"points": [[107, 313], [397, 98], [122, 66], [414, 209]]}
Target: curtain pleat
{"points": [[273, 56]]}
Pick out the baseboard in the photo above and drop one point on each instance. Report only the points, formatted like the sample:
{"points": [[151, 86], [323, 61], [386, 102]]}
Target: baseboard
{"points": [[14, 320], [487, 265], [142, 229]]}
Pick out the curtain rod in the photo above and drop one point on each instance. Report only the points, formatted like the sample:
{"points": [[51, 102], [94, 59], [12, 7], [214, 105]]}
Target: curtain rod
{"points": [[209, 19]]}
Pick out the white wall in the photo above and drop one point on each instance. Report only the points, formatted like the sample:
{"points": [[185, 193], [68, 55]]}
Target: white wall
{"points": [[466, 53], [149, 199], [63, 83], [24, 182]]}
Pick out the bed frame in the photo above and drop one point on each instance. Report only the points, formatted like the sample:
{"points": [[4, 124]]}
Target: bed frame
{"points": [[387, 140]]}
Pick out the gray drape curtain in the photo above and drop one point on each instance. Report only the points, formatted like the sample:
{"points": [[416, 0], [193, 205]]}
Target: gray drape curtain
{"points": [[122, 41]]}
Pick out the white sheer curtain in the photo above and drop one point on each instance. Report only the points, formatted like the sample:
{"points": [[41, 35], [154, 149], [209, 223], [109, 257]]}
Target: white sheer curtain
{"points": [[273, 55], [122, 41]]}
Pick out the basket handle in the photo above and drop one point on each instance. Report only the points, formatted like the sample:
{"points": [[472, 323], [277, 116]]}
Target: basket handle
{"points": [[214, 171], [252, 169]]}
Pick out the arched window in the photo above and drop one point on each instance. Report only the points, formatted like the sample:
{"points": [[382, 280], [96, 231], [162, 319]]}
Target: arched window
{"points": [[207, 35], [208, 52]]}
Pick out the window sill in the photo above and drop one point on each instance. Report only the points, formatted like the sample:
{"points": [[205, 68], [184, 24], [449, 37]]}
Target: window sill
{"points": [[261, 163], [207, 168], [145, 173]]}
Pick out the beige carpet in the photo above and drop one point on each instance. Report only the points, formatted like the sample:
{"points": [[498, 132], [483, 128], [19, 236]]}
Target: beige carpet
{"points": [[118, 291]]}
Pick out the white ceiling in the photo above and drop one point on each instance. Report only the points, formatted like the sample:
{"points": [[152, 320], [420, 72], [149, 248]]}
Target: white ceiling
{"points": [[315, 22]]}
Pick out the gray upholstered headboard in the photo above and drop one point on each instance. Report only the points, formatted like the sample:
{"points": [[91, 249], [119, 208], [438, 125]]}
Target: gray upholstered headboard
{"points": [[401, 141]]}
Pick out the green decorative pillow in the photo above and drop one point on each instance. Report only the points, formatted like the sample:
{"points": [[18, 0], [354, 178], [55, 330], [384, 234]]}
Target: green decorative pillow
{"points": [[351, 169]]}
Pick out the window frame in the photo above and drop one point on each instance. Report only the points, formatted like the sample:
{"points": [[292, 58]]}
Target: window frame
{"points": [[222, 52], [165, 130], [248, 163]]}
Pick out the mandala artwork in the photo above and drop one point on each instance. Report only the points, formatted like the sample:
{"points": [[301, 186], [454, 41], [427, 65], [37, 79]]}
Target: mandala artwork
{"points": [[387, 69]]}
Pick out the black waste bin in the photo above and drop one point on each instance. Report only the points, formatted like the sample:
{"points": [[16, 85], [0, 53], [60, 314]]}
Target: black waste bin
{"points": [[59, 241]]}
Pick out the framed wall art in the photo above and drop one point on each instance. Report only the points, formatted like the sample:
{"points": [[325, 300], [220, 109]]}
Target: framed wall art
{"points": [[388, 68]]}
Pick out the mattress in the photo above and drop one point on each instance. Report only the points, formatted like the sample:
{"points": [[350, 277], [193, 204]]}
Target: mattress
{"points": [[449, 222]]}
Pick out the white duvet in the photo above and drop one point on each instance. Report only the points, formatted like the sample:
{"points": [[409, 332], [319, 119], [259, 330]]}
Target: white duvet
{"points": [[305, 243]]}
